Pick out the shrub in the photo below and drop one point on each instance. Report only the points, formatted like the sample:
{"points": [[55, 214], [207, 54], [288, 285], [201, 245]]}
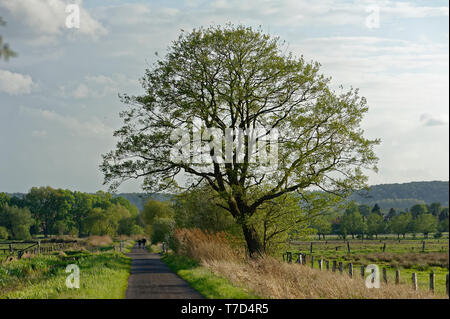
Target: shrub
{"points": [[3, 233]]}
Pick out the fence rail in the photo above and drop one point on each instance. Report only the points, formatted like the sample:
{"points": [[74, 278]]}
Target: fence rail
{"points": [[35, 248]]}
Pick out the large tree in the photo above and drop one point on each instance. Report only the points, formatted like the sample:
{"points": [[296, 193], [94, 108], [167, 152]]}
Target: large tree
{"points": [[234, 77]]}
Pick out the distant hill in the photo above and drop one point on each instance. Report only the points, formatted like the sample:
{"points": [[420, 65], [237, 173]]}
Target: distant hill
{"points": [[401, 196], [139, 199], [398, 196]]}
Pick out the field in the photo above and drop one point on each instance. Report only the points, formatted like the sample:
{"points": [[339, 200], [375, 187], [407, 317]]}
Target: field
{"points": [[103, 273], [405, 255]]}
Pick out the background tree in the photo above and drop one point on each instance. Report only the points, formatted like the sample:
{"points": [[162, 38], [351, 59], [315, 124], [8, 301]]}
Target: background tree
{"points": [[391, 214], [426, 223], [376, 209], [434, 209], [375, 224], [418, 209], [236, 77], [154, 209], [400, 224], [17, 221], [352, 222], [198, 209], [162, 229]]}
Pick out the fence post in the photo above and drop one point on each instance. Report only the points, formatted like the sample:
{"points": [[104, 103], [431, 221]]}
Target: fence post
{"points": [[327, 264], [423, 246], [304, 259], [362, 271], [11, 249], [311, 248], [384, 247], [299, 259], [289, 257], [432, 278], [414, 280], [348, 247], [312, 261], [341, 267], [350, 270], [385, 275], [397, 277], [333, 269], [39, 247], [320, 264]]}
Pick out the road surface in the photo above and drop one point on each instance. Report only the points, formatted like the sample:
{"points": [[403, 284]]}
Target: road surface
{"points": [[150, 278]]}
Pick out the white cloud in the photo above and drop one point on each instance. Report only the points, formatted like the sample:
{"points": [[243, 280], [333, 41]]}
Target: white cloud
{"points": [[434, 119], [15, 83], [46, 19], [99, 86], [92, 128]]}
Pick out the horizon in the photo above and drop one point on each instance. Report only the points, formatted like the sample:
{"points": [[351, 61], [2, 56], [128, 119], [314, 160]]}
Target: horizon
{"points": [[142, 192]]}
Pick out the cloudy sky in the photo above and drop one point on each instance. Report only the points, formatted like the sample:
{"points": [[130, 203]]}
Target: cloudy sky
{"points": [[59, 104]]}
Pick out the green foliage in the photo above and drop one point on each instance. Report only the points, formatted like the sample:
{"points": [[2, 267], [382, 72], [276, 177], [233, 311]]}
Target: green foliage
{"points": [[418, 209], [17, 221], [352, 222], [59, 211], [400, 224], [162, 230], [155, 209], [426, 223], [3, 233], [375, 224], [199, 209]]}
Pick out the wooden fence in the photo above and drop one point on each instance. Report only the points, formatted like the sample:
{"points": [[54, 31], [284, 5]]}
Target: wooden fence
{"points": [[15, 249], [303, 260]]}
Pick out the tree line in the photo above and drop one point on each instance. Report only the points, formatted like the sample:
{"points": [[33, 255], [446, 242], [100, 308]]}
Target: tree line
{"points": [[49, 211], [364, 220]]}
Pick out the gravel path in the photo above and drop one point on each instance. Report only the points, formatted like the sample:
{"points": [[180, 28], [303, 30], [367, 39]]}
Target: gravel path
{"points": [[150, 278]]}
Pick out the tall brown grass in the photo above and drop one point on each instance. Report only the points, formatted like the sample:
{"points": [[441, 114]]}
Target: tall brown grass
{"points": [[99, 240], [270, 278]]}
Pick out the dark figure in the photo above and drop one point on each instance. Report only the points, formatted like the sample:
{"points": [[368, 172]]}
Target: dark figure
{"points": [[143, 240], [139, 243]]}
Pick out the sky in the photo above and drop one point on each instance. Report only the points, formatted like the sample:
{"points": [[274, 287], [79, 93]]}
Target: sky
{"points": [[59, 102]]}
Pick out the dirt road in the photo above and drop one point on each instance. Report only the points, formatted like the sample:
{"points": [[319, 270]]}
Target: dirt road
{"points": [[150, 278]]}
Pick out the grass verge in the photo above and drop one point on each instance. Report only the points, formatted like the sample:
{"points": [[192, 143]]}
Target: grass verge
{"points": [[204, 281], [103, 275]]}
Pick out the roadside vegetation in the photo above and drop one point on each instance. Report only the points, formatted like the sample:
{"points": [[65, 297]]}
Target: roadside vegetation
{"points": [[269, 277], [104, 274]]}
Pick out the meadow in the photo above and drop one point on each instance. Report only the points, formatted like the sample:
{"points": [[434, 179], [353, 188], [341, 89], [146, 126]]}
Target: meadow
{"points": [[408, 256]]}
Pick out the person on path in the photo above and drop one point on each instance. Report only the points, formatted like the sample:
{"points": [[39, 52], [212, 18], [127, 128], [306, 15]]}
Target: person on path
{"points": [[139, 243], [143, 242]]}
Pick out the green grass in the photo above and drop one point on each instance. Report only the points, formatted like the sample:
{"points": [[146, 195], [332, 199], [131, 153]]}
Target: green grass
{"points": [[204, 281], [103, 275]]}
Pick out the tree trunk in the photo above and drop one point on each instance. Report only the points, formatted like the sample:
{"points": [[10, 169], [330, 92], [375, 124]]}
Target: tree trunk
{"points": [[253, 243]]}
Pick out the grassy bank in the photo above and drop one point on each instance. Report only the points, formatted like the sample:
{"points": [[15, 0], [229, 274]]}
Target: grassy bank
{"points": [[103, 275], [269, 277], [204, 281]]}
